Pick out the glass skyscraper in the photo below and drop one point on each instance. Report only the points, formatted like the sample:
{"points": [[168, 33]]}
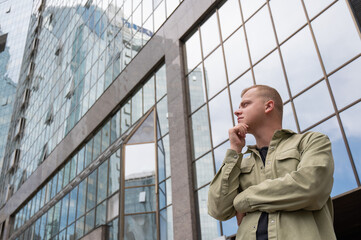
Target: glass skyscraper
{"points": [[122, 109]]}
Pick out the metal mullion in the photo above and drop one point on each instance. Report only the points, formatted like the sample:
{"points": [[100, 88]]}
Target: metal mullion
{"points": [[138, 213], [225, 66], [283, 67], [139, 186], [293, 34], [318, 123], [166, 207], [343, 65], [137, 143], [246, 39], [254, 12], [196, 110], [156, 171], [164, 180], [308, 88], [332, 96], [350, 105]]}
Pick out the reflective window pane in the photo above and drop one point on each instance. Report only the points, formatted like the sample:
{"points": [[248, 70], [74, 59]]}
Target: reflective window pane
{"points": [[66, 174], [344, 179], [105, 136], [80, 228], [310, 111], [140, 226], [115, 127], [269, 72], [204, 170], [196, 88], [73, 168], [249, 7], [229, 17], [315, 7], [237, 87], [302, 65], [89, 221], [97, 145], [114, 172], [136, 164], [236, 53], [81, 199], [162, 116], [210, 34], [219, 154], [125, 117], [161, 82], [101, 213], [340, 36], [148, 94], [72, 205], [200, 132], [80, 155], [64, 212], [260, 34], [141, 199], [288, 121], [162, 195], [288, 16], [209, 225], [214, 72], [221, 117], [102, 182], [346, 84], [169, 190], [166, 224], [91, 190], [113, 228], [113, 207], [137, 106], [193, 51], [352, 129]]}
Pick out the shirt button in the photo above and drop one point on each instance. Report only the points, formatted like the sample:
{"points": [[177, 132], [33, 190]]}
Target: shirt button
{"points": [[235, 156], [272, 148], [272, 221], [261, 167]]}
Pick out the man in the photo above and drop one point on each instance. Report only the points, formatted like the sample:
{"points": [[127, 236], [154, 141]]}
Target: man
{"points": [[282, 189]]}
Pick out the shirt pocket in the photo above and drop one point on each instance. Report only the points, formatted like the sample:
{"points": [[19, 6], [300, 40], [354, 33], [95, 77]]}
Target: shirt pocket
{"points": [[248, 175], [287, 161]]}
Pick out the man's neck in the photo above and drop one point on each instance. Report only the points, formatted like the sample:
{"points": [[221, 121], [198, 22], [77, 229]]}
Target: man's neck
{"points": [[264, 135]]}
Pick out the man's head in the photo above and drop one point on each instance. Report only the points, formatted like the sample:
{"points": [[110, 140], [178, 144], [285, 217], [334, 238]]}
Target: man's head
{"points": [[260, 103]]}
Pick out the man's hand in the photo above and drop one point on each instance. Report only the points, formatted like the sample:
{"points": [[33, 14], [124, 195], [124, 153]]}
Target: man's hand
{"points": [[239, 217], [237, 136]]}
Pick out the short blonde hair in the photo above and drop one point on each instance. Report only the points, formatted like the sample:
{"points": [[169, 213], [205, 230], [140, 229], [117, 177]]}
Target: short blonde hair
{"points": [[268, 93]]}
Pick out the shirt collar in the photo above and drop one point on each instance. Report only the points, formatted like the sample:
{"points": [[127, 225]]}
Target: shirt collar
{"points": [[277, 134]]}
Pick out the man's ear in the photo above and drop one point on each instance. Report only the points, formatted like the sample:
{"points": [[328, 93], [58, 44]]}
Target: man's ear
{"points": [[269, 106]]}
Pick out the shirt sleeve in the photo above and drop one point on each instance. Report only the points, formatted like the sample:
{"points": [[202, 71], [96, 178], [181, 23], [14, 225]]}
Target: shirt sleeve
{"points": [[224, 187], [307, 188]]}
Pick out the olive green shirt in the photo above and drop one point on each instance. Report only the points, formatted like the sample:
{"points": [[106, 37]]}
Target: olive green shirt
{"points": [[293, 186]]}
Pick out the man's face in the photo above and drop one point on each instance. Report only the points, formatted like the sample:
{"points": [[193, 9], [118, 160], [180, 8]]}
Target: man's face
{"points": [[251, 110]]}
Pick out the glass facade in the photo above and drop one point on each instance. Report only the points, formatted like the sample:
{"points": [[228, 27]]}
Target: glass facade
{"points": [[122, 107], [76, 51], [14, 19], [302, 49], [131, 181]]}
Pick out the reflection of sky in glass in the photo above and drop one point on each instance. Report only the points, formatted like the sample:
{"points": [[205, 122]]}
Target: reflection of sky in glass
{"points": [[210, 35], [219, 154], [288, 16], [350, 120], [346, 84], [139, 159], [196, 87], [302, 65], [204, 170], [237, 59], [236, 89], [260, 34], [214, 72], [344, 178], [193, 51], [230, 226], [250, 6], [288, 118], [220, 115], [200, 132], [336, 30], [209, 225], [314, 7], [269, 72], [311, 108], [229, 17]]}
